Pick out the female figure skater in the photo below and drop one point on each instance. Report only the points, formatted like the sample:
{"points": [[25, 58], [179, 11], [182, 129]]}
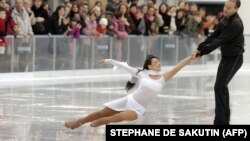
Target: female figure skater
{"points": [[132, 106]]}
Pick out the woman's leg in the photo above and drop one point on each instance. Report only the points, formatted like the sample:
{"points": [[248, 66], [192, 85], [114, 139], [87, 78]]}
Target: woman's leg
{"points": [[91, 117], [127, 115]]}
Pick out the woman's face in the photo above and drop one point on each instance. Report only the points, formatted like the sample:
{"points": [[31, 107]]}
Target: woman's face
{"points": [[180, 15], [61, 12], [144, 9], [37, 3], [73, 23], [75, 8], [163, 8], [151, 11], [133, 9], [92, 17], [155, 65], [123, 9], [182, 5], [172, 10]]}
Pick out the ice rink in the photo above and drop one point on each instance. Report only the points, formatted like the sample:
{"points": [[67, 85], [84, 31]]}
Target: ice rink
{"points": [[34, 106]]}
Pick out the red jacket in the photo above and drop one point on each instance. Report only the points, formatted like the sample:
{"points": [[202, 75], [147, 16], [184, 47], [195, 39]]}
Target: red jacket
{"points": [[3, 33], [100, 30]]}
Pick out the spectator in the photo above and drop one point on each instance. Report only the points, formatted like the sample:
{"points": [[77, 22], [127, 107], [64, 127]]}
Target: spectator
{"points": [[120, 29], [27, 6], [111, 29], [42, 17], [80, 20], [74, 9], [90, 24], [68, 4], [47, 8], [180, 22], [181, 5], [101, 27], [138, 21], [22, 19], [6, 27], [73, 31], [172, 24], [83, 10], [144, 9], [3, 3], [126, 19], [120, 22], [74, 28], [59, 23], [98, 13], [163, 11], [151, 17], [23, 45], [102, 3], [193, 21]]}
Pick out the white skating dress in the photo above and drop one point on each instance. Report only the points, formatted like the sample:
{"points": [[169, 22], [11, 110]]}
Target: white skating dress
{"points": [[146, 91]]}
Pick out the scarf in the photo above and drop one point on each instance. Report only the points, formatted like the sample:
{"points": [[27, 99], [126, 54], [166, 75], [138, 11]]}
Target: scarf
{"points": [[149, 72], [60, 20], [152, 72], [133, 79]]}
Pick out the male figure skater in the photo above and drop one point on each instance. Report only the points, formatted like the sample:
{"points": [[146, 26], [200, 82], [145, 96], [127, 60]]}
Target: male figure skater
{"points": [[229, 37]]}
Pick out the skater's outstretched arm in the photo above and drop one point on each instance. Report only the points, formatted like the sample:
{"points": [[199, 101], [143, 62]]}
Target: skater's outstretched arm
{"points": [[169, 74], [129, 69]]}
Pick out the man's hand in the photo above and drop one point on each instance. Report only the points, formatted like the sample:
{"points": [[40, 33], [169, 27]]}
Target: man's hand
{"points": [[198, 54], [194, 53]]}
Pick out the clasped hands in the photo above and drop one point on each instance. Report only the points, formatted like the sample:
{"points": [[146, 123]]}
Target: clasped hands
{"points": [[195, 54]]}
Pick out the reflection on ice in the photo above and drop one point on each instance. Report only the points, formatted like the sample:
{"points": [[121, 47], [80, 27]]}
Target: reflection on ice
{"points": [[36, 110]]}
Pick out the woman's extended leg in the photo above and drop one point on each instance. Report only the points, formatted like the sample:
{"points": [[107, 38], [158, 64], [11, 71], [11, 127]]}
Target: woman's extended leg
{"points": [[127, 115], [91, 117]]}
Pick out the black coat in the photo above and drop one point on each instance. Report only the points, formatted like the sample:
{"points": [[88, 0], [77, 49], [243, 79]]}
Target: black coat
{"points": [[228, 36]]}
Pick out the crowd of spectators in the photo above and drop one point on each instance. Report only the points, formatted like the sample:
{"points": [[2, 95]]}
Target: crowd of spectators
{"points": [[117, 18]]}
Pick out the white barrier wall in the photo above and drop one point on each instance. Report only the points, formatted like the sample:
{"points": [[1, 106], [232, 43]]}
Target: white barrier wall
{"points": [[244, 14]]}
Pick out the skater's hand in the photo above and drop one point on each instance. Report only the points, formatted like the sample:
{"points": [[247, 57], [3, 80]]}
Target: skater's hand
{"points": [[102, 61], [194, 54], [198, 54]]}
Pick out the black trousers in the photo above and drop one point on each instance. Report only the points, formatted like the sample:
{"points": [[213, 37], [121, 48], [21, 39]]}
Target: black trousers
{"points": [[228, 67]]}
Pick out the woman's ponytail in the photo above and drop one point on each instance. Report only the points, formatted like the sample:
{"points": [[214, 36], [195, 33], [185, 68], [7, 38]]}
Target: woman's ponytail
{"points": [[129, 85]]}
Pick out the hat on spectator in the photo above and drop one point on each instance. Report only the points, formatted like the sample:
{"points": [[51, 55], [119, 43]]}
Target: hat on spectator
{"points": [[109, 10], [103, 21]]}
